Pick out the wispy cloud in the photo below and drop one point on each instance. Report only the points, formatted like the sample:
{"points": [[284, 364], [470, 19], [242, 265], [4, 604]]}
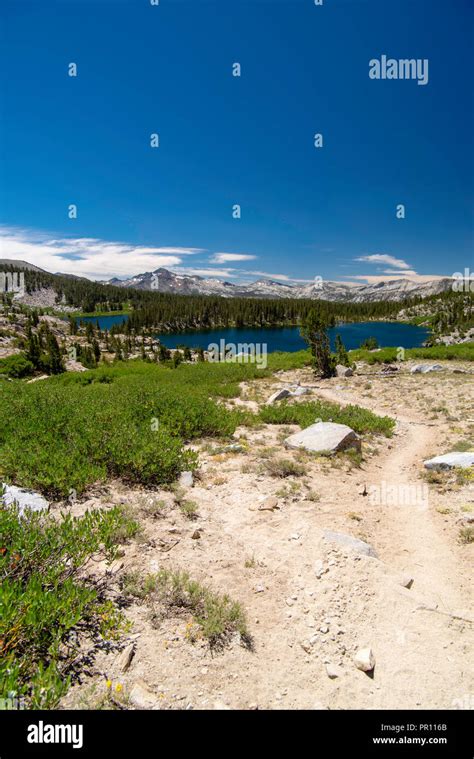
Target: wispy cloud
{"points": [[223, 258], [384, 258], [87, 256], [400, 270]]}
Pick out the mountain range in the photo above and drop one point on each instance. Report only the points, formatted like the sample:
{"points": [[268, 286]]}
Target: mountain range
{"points": [[163, 280]]}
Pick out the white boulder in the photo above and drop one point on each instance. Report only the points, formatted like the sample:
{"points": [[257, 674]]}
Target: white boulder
{"points": [[344, 371], [451, 460], [426, 368], [26, 499], [327, 437]]}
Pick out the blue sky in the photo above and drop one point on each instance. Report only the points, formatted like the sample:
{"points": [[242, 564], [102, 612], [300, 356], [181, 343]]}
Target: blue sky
{"points": [[226, 140]]}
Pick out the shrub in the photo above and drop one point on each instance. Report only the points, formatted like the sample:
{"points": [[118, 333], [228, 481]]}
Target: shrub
{"points": [[284, 468], [50, 606], [16, 366], [466, 535], [359, 419], [370, 344], [217, 616]]}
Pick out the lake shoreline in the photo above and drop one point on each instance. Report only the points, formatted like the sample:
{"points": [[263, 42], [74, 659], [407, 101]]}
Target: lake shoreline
{"points": [[278, 337]]}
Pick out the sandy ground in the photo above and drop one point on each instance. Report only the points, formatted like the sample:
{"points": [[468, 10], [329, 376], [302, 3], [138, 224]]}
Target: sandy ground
{"points": [[311, 604]]}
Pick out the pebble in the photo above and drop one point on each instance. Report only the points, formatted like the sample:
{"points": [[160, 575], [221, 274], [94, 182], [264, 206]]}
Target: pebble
{"points": [[332, 671], [406, 581], [269, 504], [364, 659]]}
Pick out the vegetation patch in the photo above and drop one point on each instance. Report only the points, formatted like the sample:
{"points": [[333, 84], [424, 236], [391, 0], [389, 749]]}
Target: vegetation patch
{"points": [[304, 414], [55, 615], [128, 421], [461, 352], [217, 616]]}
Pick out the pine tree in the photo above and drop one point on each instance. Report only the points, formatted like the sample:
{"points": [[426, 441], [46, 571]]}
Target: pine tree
{"points": [[342, 357], [314, 331], [96, 350], [33, 350], [53, 360]]}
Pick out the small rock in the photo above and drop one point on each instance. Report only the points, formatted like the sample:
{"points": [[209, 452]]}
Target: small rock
{"points": [[365, 659], [125, 658], [279, 395], [269, 504], [186, 479], [344, 371], [319, 569], [196, 535], [406, 581], [426, 368], [300, 391], [259, 589], [333, 671]]}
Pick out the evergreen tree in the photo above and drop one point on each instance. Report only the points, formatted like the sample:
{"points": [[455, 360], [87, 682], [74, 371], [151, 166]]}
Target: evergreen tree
{"points": [[314, 331], [33, 349], [164, 353], [96, 350], [342, 356], [53, 359]]}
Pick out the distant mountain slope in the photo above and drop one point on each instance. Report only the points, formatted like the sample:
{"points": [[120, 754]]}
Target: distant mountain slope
{"points": [[166, 281], [20, 265]]}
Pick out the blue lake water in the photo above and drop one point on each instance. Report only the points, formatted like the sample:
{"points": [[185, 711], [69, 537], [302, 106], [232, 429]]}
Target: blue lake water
{"points": [[288, 338]]}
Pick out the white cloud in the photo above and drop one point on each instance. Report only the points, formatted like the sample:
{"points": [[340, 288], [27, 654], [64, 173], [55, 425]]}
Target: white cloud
{"points": [[87, 256], [223, 258], [192, 272], [383, 258], [268, 275], [410, 276]]}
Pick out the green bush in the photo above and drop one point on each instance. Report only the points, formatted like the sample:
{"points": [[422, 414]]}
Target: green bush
{"points": [[216, 615], [16, 366], [461, 352], [50, 606], [359, 419], [130, 421]]}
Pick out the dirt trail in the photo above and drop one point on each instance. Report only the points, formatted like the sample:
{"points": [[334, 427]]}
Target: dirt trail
{"points": [[407, 536], [311, 604]]}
